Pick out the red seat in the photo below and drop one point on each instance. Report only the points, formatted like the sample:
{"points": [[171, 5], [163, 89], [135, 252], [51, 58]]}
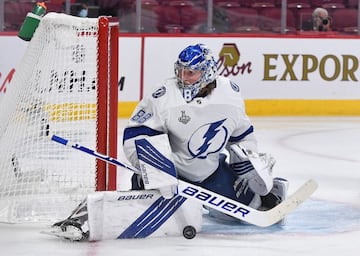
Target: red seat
{"points": [[192, 16], [259, 3], [180, 3], [127, 15], [107, 4], [270, 20], [126, 11], [54, 7], [168, 19], [345, 20], [59, 2], [149, 16], [116, 7], [149, 3], [303, 19], [329, 4], [243, 19], [227, 3], [180, 18], [15, 13], [353, 3], [298, 4], [301, 10]]}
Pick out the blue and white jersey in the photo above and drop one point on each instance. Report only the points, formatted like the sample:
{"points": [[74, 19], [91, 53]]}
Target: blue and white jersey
{"points": [[198, 131]]}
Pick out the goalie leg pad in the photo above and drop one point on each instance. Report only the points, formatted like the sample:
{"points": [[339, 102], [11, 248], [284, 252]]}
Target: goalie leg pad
{"points": [[140, 214], [156, 164]]}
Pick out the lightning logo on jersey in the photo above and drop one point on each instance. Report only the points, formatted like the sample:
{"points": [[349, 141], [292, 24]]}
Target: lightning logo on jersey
{"points": [[209, 138]]}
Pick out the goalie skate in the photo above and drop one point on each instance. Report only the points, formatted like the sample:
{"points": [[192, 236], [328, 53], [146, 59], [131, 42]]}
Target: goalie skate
{"points": [[276, 196], [68, 229]]}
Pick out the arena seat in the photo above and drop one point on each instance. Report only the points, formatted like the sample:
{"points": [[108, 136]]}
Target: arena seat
{"points": [[298, 4], [353, 3], [328, 4], [345, 20], [181, 16], [243, 19], [168, 19], [259, 3], [227, 3], [270, 20], [15, 13], [303, 19], [149, 16]]}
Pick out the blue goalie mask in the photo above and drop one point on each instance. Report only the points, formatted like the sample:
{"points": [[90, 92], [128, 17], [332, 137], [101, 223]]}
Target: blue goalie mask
{"points": [[194, 59]]}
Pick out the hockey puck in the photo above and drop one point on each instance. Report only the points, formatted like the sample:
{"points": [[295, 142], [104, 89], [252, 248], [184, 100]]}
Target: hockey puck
{"points": [[189, 232]]}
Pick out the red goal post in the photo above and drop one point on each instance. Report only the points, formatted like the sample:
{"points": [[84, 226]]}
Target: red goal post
{"points": [[108, 54], [65, 84]]}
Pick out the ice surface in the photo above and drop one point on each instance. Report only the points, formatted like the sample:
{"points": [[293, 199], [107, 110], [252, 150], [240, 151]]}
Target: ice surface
{"points": [[325, 149]]}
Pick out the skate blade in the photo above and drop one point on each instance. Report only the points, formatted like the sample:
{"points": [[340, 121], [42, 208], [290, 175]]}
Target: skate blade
{"points": [[72, 235]]}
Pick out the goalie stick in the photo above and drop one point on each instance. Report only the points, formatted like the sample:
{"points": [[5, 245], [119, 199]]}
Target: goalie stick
{"points": [[216, 201]]}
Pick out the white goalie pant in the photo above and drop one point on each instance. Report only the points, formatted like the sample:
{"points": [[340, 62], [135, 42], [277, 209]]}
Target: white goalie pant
{"points": [[140, 214]]}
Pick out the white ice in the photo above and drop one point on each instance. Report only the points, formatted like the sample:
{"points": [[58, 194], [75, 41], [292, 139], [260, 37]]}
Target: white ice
{"points": [[325, 149]]}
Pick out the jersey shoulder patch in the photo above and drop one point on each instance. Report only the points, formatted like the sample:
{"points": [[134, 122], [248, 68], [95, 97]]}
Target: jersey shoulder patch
{"points": [[159, 92], [141, 116]]}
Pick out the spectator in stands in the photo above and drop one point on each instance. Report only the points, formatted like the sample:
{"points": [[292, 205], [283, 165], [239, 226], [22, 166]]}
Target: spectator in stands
{"points": [[83, 10], [321, 20]]}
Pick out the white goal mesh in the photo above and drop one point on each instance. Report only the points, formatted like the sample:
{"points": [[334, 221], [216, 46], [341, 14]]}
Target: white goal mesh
{"points": [[54, 91]]}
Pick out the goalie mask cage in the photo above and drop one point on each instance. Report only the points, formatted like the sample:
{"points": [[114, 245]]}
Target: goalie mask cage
{"points": [[66, 84]]}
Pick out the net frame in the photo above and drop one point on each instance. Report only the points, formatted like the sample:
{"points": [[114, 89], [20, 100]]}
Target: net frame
{"points": [[31, 169]]}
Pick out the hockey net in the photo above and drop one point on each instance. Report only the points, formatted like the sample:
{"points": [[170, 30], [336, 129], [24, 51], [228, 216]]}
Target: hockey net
{"points": [[66, 84]]}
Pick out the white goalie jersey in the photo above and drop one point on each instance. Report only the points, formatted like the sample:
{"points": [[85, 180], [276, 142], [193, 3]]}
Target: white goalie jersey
{"points": [[196, 137]]}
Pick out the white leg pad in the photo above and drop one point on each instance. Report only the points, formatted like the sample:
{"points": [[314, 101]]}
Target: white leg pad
{"points": [[156, 164], [139, 214]]}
